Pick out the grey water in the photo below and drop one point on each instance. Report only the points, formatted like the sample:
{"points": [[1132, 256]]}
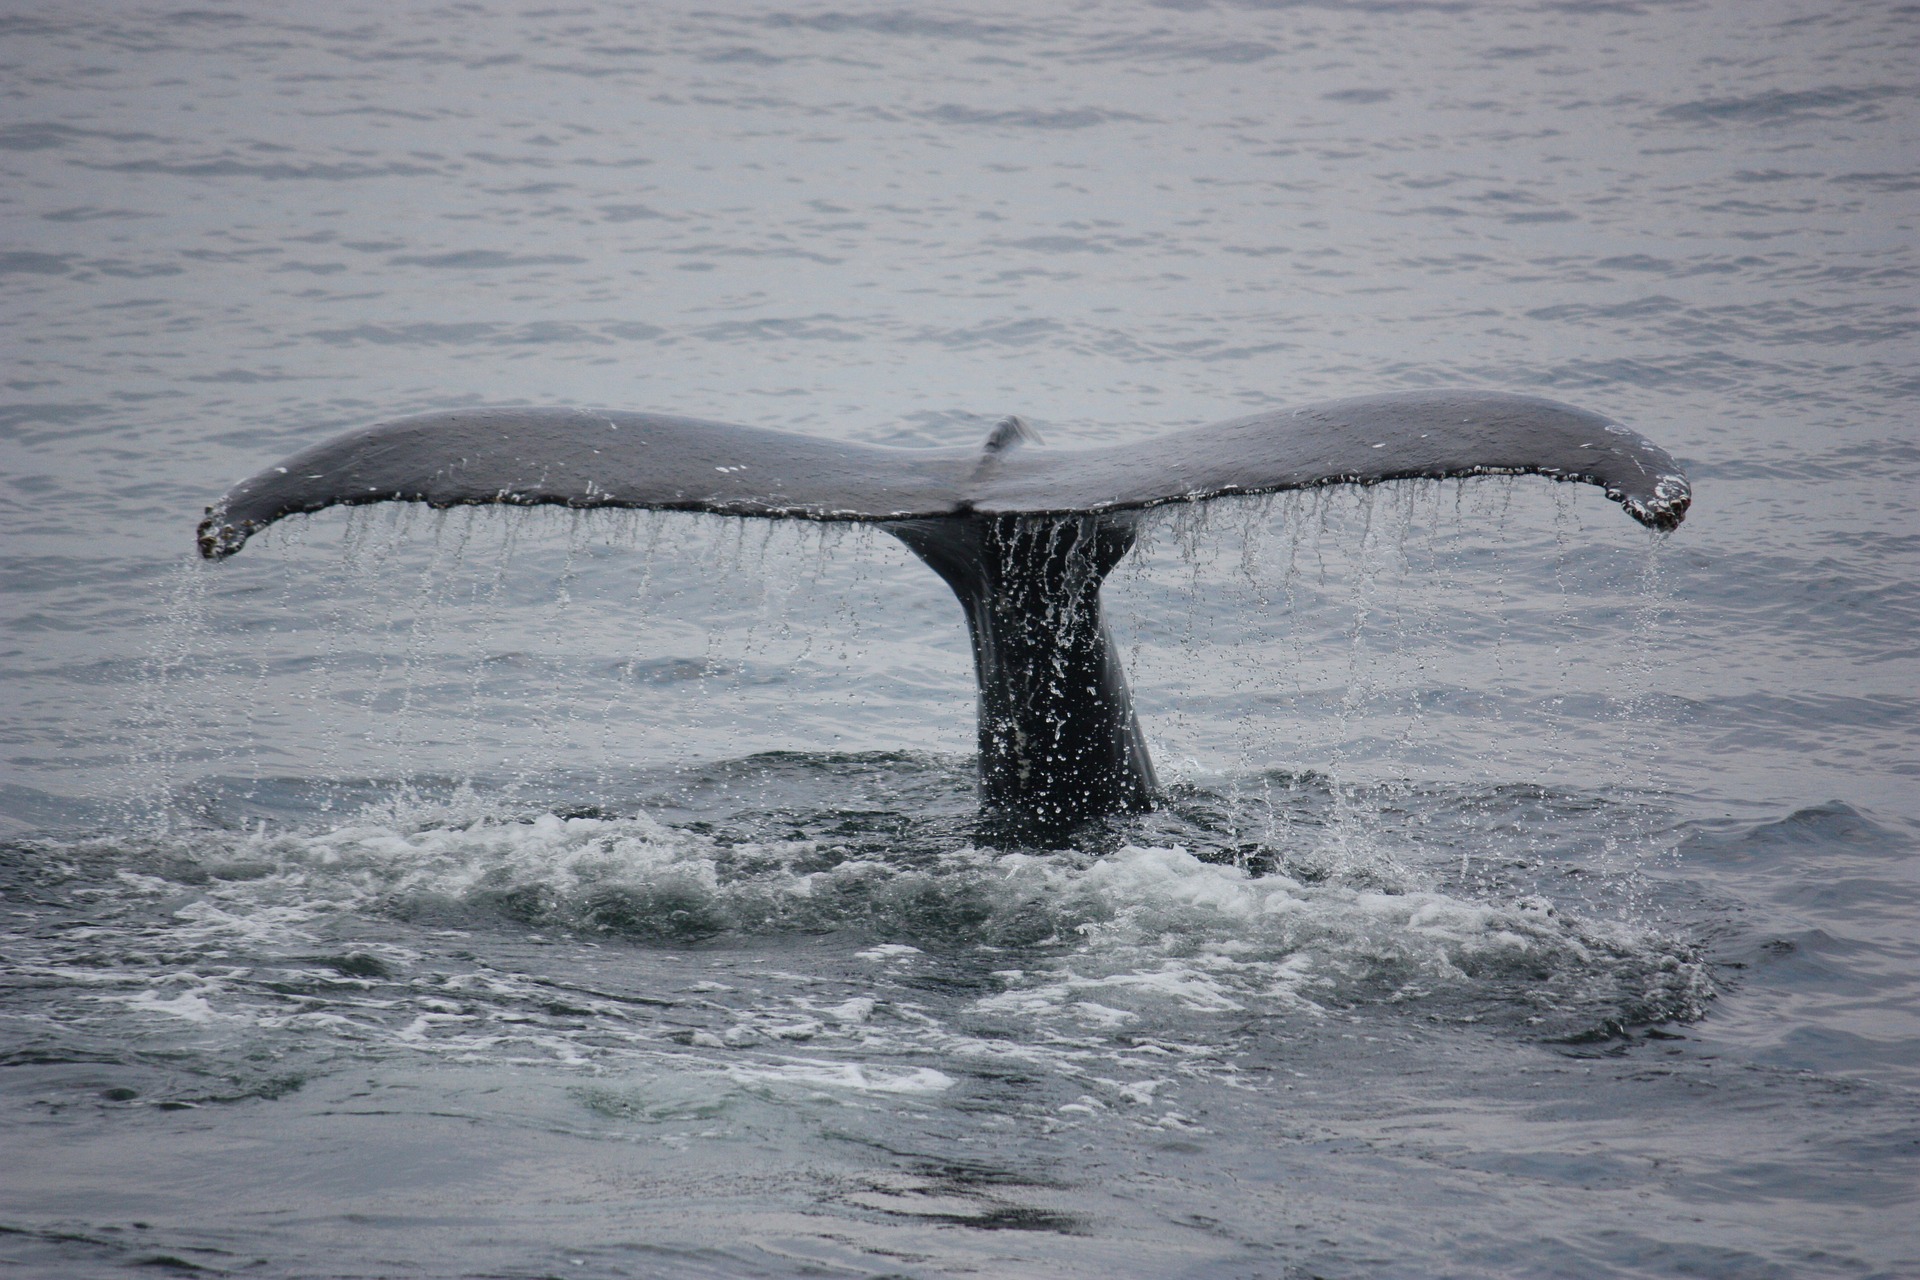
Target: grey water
{"points": [[527, 894]]}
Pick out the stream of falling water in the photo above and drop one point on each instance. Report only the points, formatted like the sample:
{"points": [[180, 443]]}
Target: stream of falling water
{"points": [[1274, 644]]}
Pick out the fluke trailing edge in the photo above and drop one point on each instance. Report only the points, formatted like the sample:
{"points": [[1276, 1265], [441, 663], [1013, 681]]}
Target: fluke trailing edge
{"points": [[1024, 535]]}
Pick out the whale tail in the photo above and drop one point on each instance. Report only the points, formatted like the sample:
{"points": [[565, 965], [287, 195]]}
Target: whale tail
{"points": [[1023, 535]]}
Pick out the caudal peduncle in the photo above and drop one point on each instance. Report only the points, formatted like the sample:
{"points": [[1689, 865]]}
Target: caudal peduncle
{"points": [[1059, 742]]}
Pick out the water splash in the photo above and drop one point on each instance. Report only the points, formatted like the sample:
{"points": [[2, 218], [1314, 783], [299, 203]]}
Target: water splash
{"points": [[1065, 959]]}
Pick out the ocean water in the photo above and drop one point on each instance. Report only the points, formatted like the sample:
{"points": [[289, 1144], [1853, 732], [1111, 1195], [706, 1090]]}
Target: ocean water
{"points": [[533, 894]]}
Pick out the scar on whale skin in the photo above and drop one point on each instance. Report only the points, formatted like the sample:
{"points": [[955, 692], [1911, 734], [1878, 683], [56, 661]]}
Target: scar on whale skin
{"points": [[1024, 535]]}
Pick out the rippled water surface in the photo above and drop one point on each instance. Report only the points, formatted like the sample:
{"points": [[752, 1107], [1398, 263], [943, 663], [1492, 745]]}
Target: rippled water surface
{"points": [[527, 894]]}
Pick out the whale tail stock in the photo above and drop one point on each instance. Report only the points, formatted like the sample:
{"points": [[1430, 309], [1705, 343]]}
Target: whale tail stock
{"points": [[1059, 742], [1024, 536]]}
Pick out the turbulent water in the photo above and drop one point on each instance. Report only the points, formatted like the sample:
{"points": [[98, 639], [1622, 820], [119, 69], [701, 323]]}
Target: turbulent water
{"points": [[527, 894]]}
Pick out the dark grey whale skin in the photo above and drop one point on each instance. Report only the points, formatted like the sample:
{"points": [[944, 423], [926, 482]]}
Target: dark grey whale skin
{"points": [[1059, 742], [1023, 535]]}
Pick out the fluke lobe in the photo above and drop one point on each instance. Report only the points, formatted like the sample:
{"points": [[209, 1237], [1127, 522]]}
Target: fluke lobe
{"points": [[1023, 534]]}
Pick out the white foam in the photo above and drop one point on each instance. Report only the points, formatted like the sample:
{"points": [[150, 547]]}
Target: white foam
{"points": [[1163, 930], [857, 1010], [1116, 962], [856, 1076], [192, 1006], [888, 951]]}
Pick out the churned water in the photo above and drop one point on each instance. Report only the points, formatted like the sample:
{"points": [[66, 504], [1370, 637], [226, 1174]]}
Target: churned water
{"points": [[525, 894]]}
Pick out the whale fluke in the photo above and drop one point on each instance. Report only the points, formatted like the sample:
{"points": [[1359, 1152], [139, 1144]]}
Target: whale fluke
{"points": [[1023, 534], [579, 458]]}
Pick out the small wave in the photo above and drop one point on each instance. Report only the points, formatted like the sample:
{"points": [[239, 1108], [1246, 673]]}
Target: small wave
{"points": [[1831, 827], [1776, 105]]}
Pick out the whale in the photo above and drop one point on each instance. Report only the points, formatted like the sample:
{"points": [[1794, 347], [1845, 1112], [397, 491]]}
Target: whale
{"points": [[1022, 533]]}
